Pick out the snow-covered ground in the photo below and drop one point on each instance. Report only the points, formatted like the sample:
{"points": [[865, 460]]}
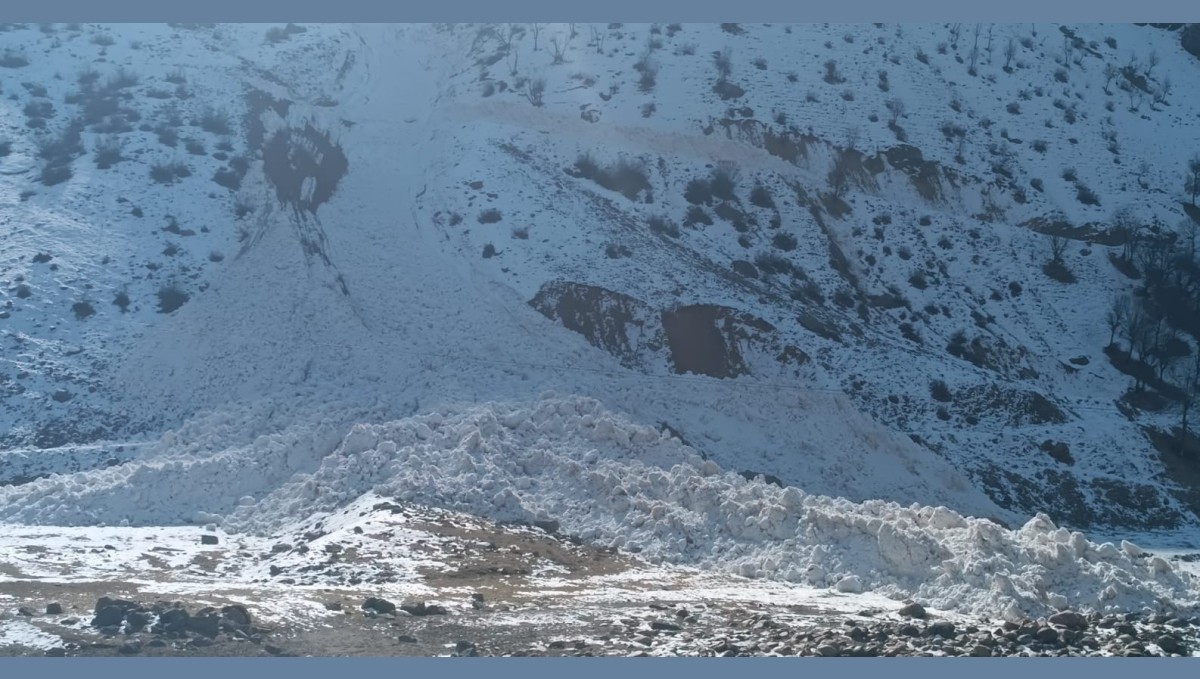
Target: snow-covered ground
{"points": [[361, 350]]}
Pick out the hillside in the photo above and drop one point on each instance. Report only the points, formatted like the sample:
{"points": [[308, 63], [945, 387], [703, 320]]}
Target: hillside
{"points": [[627, 279]]}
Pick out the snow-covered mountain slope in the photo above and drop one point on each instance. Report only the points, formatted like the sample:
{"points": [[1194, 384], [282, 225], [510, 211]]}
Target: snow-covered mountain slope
{"points": [[230, 259]]}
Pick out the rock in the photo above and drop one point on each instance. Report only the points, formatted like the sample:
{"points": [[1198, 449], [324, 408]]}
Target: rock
{"points": [[280, 547], [236, 614], [130, 648], [333, 605], [549, 525], [406, 639], [913, 610], [173, 620], [378, 605], [1047, 635], [56, 652], [201, 642], [664, 626], [477, 596], [54, 609], [207, 624], [109, 616], [1072, 636], [1169, 644], [828, 651], [420, 608], [136, 621], [273, 650], [944, 629], [909, 631], [26, 612], [156, 643], [69, 621], [1069, 619], [1126, 629], [980, 651], [208, 539], [465, 649]]}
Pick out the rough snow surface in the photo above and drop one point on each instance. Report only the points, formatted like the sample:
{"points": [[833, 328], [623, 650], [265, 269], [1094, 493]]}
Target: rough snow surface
{"points": [[609, 480]]}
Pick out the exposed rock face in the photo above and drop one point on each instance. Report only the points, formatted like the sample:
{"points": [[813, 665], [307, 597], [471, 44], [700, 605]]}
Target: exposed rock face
{"points": [[699, 339]]}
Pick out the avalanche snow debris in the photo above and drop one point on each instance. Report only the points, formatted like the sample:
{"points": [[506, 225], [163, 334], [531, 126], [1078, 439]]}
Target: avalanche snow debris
{"points": [[607, 479]]}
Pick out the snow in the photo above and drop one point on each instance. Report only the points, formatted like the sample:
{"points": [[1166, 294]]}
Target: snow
{"points": [[272, 400], [620, 484]]}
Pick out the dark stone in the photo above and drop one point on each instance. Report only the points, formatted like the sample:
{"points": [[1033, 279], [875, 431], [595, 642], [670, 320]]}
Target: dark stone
{"points": [[130, 648], [54, 609], [173, 620], [136, 621], [465, 649], [1069, 619], [909, 631], [420, 609], [1169, 644], [913, 610], [237, 614], [56, 652], [333, 605], [942, 629], [828, 651], [156, 643], [24, 611], [69, 621], [379, 605], [109, 616], [663, 625], [201, 642], [406, 639], [207, 624], [208, 539], [549, 525], [1047, 635]]}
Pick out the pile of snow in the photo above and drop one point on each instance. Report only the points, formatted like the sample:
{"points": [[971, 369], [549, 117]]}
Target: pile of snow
{"points": [[630, 486]]}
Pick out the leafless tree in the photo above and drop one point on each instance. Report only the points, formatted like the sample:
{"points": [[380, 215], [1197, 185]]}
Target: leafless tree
{"points": [[514, 57], [598, 36], [558, 45], [1068, 49], [1116, 316], [534, 89], [1110, 72], [1058, 246], [955, 32], [1192, 185], [1151, 62], [1010, 51], [536, 30], [1187, 377], [975, 49], [723, 61]]}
